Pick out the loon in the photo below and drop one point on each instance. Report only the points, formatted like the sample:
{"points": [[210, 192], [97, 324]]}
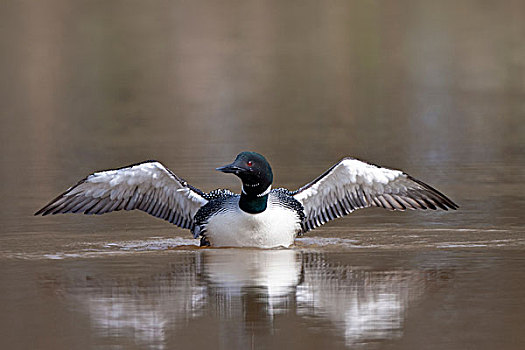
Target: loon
{"points": [[260, 216]]}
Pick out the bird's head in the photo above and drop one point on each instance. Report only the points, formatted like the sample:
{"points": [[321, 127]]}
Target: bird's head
{"points": [[253, 170]]}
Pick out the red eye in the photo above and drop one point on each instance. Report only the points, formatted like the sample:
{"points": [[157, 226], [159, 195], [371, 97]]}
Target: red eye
{"points": [[250, 163]]}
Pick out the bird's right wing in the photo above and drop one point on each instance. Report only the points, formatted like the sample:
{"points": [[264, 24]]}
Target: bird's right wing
{"points": [[147, 186], [353, 184]]}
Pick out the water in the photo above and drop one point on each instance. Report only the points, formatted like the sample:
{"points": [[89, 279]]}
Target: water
{"points": [[436, 89]]}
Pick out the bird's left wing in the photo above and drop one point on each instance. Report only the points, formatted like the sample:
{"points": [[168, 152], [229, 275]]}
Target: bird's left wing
{"points": [[352, 184], [147, 186]]}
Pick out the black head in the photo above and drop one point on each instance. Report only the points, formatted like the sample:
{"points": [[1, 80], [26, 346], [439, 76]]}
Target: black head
{"points": [[253, 170]]}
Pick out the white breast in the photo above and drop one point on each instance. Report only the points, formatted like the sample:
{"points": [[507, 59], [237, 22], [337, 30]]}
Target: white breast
{"points": [[275, 227]]}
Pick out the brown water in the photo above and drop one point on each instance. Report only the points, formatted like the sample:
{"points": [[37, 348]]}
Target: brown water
{"points": [[434, 88]]}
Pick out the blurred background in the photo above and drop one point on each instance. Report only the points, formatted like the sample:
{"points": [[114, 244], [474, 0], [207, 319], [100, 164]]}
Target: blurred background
{"points": [[91, 84], [436, 88]]}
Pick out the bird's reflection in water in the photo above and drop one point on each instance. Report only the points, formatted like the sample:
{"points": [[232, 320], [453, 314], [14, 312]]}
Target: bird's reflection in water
{"points": [[241, 293], [366, 305]]}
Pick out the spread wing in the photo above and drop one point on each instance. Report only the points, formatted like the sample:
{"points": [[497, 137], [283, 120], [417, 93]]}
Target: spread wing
{"points": [[352, 184], [147, 186]]}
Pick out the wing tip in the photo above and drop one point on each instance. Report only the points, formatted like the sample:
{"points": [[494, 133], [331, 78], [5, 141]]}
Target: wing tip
{"points": [[48, 209], [454, 206], [443, 199]]}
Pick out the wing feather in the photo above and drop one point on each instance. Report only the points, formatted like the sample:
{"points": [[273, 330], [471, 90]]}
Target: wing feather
{"points": [[353, 184], [147, 186]]}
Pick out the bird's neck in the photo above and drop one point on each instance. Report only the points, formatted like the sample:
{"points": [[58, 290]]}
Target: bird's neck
{"points": [[254, 203]]}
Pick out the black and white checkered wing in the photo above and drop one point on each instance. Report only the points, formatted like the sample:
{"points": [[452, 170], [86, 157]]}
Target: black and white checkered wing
{"points": [[147, 186], [352, 184]]}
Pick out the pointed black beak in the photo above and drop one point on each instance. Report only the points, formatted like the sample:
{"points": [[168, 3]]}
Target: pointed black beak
{"points": [[230, 168]]}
